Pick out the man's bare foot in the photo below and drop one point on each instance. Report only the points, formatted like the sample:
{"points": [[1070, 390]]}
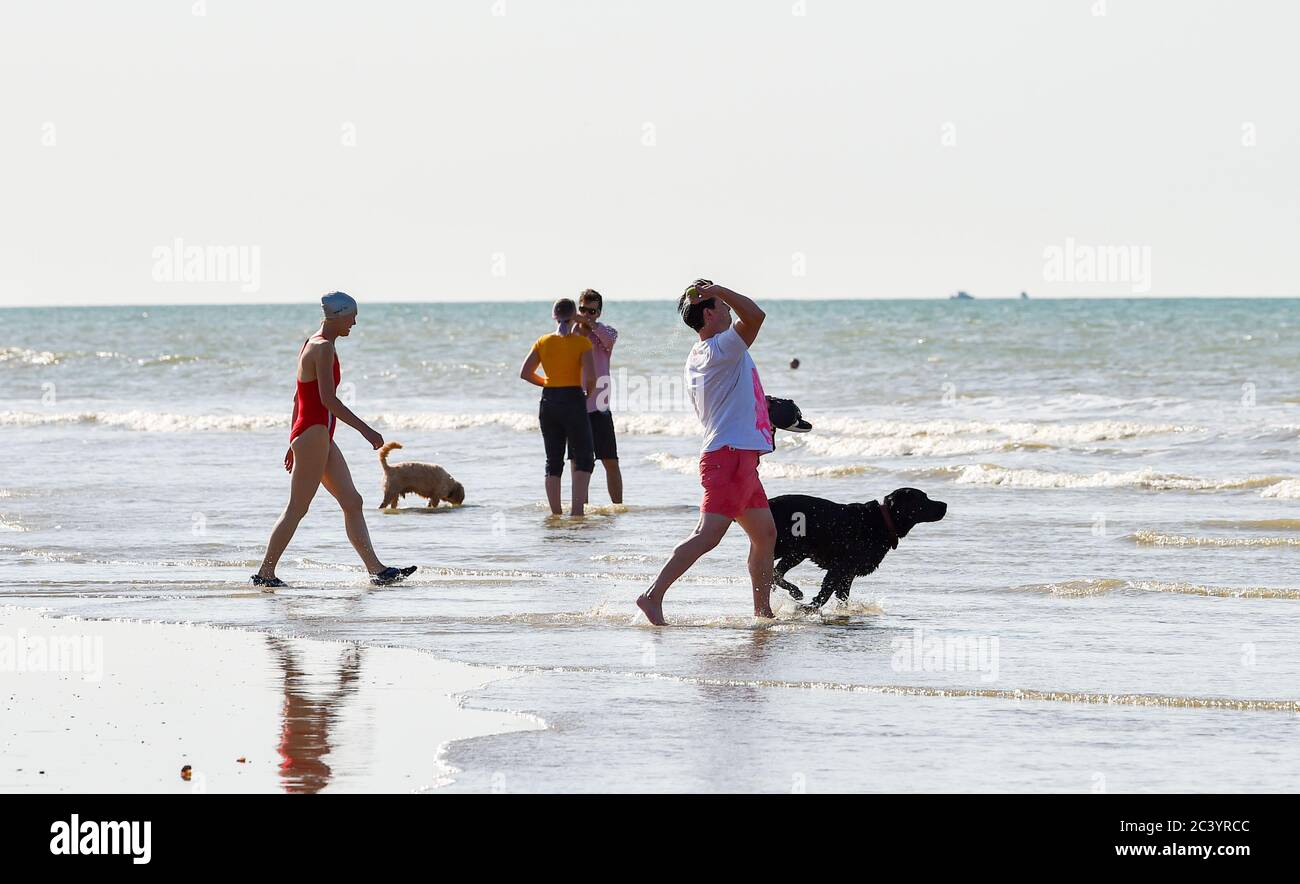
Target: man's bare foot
{"points": [[653, 610]]}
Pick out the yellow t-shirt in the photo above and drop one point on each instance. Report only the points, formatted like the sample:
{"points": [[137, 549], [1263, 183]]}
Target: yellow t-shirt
{"points": [[562, 358]]}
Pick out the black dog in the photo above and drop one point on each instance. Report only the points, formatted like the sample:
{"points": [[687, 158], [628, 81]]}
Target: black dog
{"points": [[847, 539]]}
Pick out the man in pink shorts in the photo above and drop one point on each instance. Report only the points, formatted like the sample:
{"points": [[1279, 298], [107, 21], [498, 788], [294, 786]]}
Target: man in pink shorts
{"points": [[723, 384]]}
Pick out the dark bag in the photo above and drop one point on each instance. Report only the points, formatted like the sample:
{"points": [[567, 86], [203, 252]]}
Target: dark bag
{"points": [[785, 415]]}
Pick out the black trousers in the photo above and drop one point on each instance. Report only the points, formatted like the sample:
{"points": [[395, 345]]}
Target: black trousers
{"points": [[562, 414]]}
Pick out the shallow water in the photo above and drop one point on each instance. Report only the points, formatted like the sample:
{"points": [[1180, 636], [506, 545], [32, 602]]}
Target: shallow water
{"points": [[1110, 603]]}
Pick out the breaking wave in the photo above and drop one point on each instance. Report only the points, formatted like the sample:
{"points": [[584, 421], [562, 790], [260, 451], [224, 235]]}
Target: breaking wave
{"points": [[1028, 433], [1287, 489], [1102, 586], [11, 524], [1074, 588], [834, 436], [1155, 538], [906, 446], [1146, 478], [994, 476], [627, 558], [147, 421], [766, 469], [1220, 592], [25, 356]]}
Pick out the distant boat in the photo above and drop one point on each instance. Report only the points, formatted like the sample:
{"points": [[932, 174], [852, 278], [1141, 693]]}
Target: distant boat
{"points": [[961, 296]]}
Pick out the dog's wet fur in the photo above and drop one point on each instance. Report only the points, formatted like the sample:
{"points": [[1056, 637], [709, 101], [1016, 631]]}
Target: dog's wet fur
{"points": [[425, 479], [848, 540]]}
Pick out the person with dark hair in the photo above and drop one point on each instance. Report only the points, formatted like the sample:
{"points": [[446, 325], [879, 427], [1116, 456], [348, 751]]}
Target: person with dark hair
{"points": [[723, 384], [570, 373], [602, 337]]}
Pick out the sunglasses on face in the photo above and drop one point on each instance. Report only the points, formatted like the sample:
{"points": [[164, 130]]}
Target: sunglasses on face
{"points": [[589, 311]]}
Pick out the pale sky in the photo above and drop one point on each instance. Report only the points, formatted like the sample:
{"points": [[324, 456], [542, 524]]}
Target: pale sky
{"points": [[445, 151]]}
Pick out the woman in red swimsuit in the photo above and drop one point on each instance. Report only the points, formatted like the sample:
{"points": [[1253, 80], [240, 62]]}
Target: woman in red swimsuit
{"points": [[313, 459]]}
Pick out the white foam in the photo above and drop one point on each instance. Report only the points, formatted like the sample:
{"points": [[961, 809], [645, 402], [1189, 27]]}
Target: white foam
{"points": [[1101, 586], [147, 421], [1287, 489], [1220, 592], [627, 558], [433, 421], [671, 462], [1023, 432], [29, 357], [526, 422], [658, 425], [835, 437], [1156, 538], [766, 469], [1075, 588], [855, 437], [778, 470], [901, 446], [993, 475], [8, 524]]}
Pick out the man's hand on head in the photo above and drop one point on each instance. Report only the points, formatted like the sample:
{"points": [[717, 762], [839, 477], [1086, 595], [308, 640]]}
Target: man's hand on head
{"points": [[698, 290]]}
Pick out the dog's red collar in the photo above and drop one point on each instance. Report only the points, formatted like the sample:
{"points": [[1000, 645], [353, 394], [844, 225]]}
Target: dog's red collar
{"points": [[889, 525]]}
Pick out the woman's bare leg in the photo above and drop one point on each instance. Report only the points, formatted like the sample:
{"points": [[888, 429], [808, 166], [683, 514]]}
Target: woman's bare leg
{"points": [[553, 495], [581, 483], [310, 452], [338, 481]]}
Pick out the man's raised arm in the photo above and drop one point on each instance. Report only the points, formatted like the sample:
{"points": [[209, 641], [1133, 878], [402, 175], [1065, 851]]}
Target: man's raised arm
{"points": [[749, 316]]}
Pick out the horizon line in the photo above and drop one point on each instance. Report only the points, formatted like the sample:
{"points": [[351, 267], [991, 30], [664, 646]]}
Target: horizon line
{"points": [[665, 299]]}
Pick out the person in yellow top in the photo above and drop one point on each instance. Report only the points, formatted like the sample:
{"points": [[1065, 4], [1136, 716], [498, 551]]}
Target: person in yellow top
{"points": [[565, 356]]}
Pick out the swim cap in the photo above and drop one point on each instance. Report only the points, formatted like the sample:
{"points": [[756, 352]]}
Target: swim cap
{"points": [[337, 304]]}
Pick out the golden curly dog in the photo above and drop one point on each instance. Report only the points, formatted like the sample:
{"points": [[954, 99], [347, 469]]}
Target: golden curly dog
{"points": [[425, 479]]}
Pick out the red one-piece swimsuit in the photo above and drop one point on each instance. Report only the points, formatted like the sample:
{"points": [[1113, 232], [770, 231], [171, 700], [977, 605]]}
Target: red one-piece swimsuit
{"points": [[311, 411]]}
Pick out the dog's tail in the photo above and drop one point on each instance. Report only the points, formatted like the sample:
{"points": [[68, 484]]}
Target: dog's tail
{"points": [[383, 453]]}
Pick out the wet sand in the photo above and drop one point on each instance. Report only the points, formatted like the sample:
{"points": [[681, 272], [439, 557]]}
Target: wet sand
{"points": [[114, 706]]}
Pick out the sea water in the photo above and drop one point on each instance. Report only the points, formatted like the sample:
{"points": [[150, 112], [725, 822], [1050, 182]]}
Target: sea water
{"points": [[1110, 605]]}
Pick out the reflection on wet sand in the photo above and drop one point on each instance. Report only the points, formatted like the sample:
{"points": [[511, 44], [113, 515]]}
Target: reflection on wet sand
{"points": [[310, 715]]}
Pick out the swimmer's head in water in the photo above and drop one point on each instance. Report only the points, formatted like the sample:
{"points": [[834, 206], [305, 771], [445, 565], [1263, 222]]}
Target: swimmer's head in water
{"points": [[340, 310]]}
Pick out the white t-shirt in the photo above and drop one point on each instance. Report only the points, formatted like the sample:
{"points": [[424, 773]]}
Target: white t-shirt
{"points": [[723, 384]]}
